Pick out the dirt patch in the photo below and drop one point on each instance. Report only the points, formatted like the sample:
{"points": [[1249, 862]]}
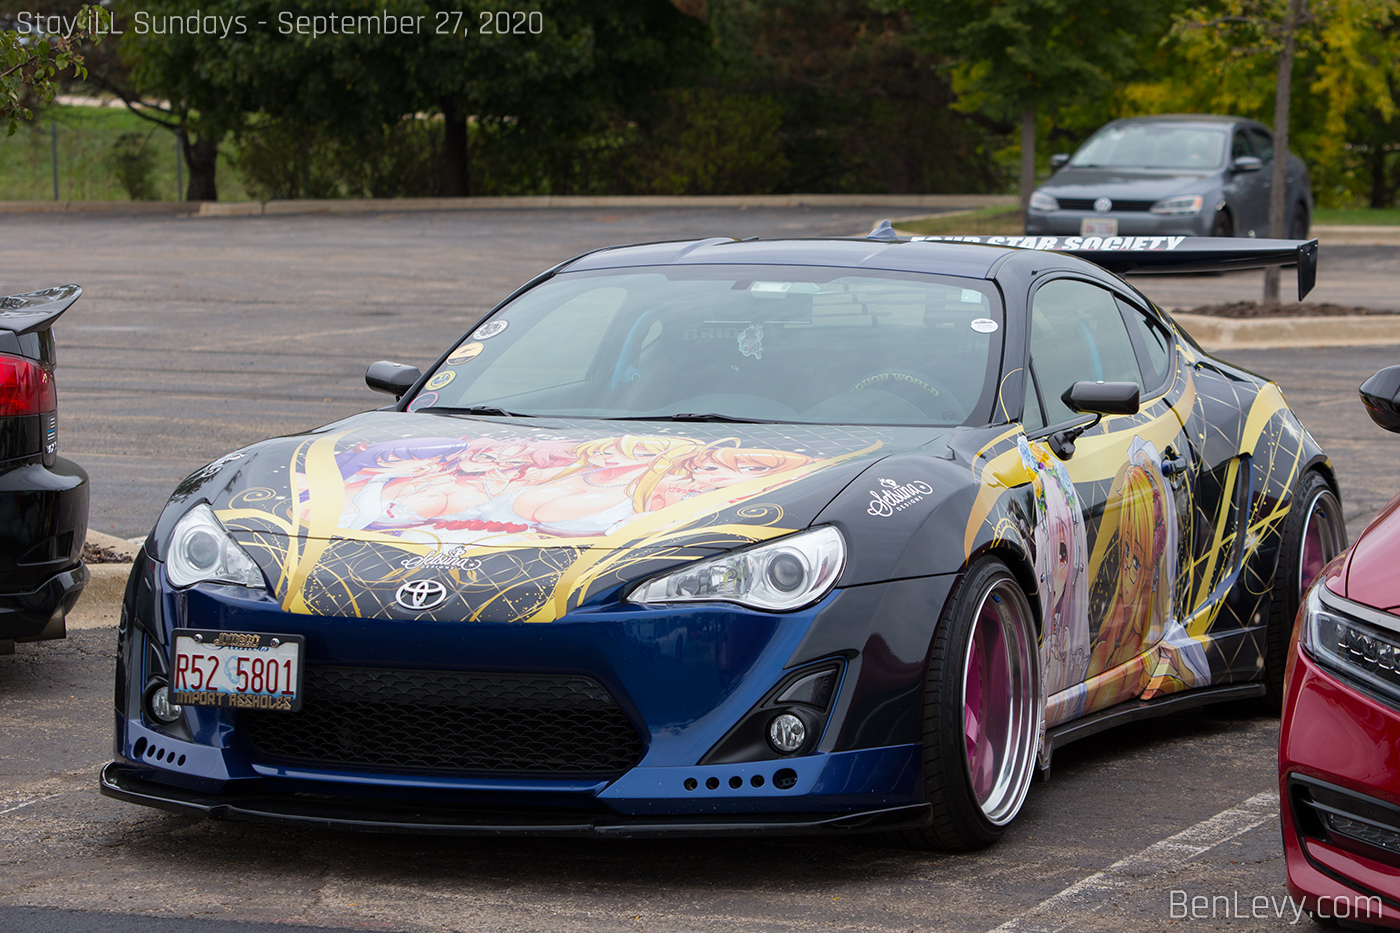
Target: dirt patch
{"points": [[92, 554], [1253, 309]]}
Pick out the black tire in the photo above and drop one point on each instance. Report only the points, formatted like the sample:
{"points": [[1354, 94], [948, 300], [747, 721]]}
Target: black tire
{"points": [[1314, 516], [962, 819], [1298, 224], [1223, 225]]}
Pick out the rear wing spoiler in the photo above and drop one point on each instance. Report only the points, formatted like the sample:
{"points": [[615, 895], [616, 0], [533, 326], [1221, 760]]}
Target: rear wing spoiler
{"points": [[34, 311], [1168, 254]]}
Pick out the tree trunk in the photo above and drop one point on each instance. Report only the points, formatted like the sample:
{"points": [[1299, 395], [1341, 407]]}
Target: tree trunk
{"points": [[1278, 189], [1027, 157], [455, 164], [202, 157]]}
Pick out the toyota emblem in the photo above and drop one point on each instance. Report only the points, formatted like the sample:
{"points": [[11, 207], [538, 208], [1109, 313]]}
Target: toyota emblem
{"points": [[1103, 205], [421, 595]]}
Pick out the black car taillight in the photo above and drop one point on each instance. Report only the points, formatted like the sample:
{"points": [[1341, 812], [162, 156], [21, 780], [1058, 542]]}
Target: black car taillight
{"points": [[26, 388], [28, 410]]}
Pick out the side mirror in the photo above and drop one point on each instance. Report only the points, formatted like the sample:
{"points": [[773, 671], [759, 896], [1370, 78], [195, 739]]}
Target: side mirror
{"points": [[1058, 161], [393, 378], [1103, 398], [1381, 396], [1097, 399], [1247, 164]]}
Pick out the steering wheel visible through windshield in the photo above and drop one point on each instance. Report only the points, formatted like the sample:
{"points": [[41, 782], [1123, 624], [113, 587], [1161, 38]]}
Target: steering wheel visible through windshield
{"points": [[744, 343]]}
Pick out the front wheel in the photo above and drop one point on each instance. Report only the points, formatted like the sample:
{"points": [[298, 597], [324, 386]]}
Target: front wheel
{"points": [[1222, 225], [982, 711], [1313, 534]]}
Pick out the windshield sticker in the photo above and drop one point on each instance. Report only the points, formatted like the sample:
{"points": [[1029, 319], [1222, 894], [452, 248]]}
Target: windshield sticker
{"points": [[466, 351], [751, 341], [971, 296], [426, 400], [491, 329], [896, 496], [984, 325], [441, 379]]}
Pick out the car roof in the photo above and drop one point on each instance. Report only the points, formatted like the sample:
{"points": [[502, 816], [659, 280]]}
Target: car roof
{"points": [[1211, 118], [940, 258]]}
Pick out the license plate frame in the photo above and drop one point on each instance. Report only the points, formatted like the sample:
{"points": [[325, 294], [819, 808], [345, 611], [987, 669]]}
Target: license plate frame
{"points": [[1098, 226], [195, 681]]}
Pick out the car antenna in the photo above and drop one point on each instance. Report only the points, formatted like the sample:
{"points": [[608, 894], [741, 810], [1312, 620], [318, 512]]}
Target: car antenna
{"points": [[883, 231]]}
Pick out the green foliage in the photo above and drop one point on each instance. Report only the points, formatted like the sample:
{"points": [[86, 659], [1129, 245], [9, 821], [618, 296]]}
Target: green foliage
{"points": [[30, 63], [715, 143], [283, 159], [132, 162]]}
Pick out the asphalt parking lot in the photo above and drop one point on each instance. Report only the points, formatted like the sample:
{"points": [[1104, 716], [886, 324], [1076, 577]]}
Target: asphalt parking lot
{"points": [[198, 336]]}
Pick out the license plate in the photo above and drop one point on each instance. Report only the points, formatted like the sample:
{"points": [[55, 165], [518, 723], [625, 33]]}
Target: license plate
{"points": [[1098, 226], [237, 670]]}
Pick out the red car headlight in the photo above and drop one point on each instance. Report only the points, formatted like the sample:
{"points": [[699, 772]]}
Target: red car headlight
{"points": [[1359, 643]]}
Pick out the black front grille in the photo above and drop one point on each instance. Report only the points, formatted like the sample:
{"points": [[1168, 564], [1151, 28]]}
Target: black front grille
{"points": [[449, 722], [1087, 204]]}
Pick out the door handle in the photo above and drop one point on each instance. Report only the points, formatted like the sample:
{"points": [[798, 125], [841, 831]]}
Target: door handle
{"points": [[1172, 464]]}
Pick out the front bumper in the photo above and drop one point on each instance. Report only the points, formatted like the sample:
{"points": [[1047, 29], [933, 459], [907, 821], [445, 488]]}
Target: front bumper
{"points": [[686, 678], [1130, 223], [124, 782], [1339, 791]]}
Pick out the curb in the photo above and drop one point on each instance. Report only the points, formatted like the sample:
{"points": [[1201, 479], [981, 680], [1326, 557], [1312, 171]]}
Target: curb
{"points": [[1215, 333], [935, 202], [941, 202]]}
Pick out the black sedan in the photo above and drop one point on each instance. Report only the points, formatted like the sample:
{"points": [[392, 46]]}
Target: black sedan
{"points": [[1184, 174], [43, 497]]}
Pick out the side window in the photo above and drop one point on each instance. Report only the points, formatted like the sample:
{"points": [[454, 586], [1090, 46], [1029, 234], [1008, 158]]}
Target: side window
{"points": [[1240, 146], [1154, 346], [1031, 418], [1263, 144], [1077, 333]]}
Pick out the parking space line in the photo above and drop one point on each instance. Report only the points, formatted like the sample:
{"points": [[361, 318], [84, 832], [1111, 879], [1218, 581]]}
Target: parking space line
{"points": [[28, 803], [1060, 911]]}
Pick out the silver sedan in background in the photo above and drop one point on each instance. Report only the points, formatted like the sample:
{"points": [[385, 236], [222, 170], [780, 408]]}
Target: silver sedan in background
{"points": [[1175, 174]]}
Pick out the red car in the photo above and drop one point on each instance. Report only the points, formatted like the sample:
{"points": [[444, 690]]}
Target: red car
{"points": [[1339, 750]]}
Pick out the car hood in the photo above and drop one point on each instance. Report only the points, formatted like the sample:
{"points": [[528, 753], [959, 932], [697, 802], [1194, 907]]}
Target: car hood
{"points": [[518, 520], [1369, 574], [1124, 184]]}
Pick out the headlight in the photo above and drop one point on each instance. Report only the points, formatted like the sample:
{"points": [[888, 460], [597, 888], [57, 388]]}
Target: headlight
{"points": [[1353, 647], [201, 550], [1186, 204], [1040, 201], [786, 574]]}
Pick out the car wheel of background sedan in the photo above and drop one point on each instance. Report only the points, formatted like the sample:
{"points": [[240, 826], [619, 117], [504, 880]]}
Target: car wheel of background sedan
{"points": [[982, 712], [1222, 225], [1313, 534], [1298, 226]]}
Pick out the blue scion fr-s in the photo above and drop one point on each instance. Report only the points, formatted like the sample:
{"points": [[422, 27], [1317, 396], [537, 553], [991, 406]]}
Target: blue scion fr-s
{"points": [[731, 537]]}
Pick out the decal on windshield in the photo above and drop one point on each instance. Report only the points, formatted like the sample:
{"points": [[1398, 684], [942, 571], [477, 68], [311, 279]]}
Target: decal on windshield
{"points": [[489, 330], [751, 341], [466, 351]]}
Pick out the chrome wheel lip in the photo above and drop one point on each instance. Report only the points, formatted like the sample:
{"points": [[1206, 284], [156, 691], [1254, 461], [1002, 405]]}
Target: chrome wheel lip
{"points": [[1322, 538], [1015, 751]]}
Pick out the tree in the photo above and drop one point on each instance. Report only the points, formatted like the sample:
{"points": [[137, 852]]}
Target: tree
{"points": [[35, 51], [1017, 61], [1241, 56]]}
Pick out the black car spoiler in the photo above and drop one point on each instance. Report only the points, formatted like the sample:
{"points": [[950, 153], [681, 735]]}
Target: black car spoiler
{"points": [[1168, 254], [33, 311]]}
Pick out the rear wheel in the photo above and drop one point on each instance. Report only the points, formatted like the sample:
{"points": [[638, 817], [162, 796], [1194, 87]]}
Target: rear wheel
{"points": [[982, 712], [1313, 534]]}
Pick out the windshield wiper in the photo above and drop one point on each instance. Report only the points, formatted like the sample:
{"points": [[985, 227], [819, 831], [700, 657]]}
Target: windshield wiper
{"points": [[687, 416], [489, 410]]}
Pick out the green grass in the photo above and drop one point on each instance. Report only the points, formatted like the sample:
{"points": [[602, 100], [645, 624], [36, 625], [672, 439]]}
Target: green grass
{"points": [[86, 136], [1389, 217], [989, 221]]}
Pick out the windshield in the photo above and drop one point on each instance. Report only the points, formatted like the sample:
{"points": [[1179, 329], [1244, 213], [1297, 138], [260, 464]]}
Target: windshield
{"points": [[761, 343], [1154, 145]]}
